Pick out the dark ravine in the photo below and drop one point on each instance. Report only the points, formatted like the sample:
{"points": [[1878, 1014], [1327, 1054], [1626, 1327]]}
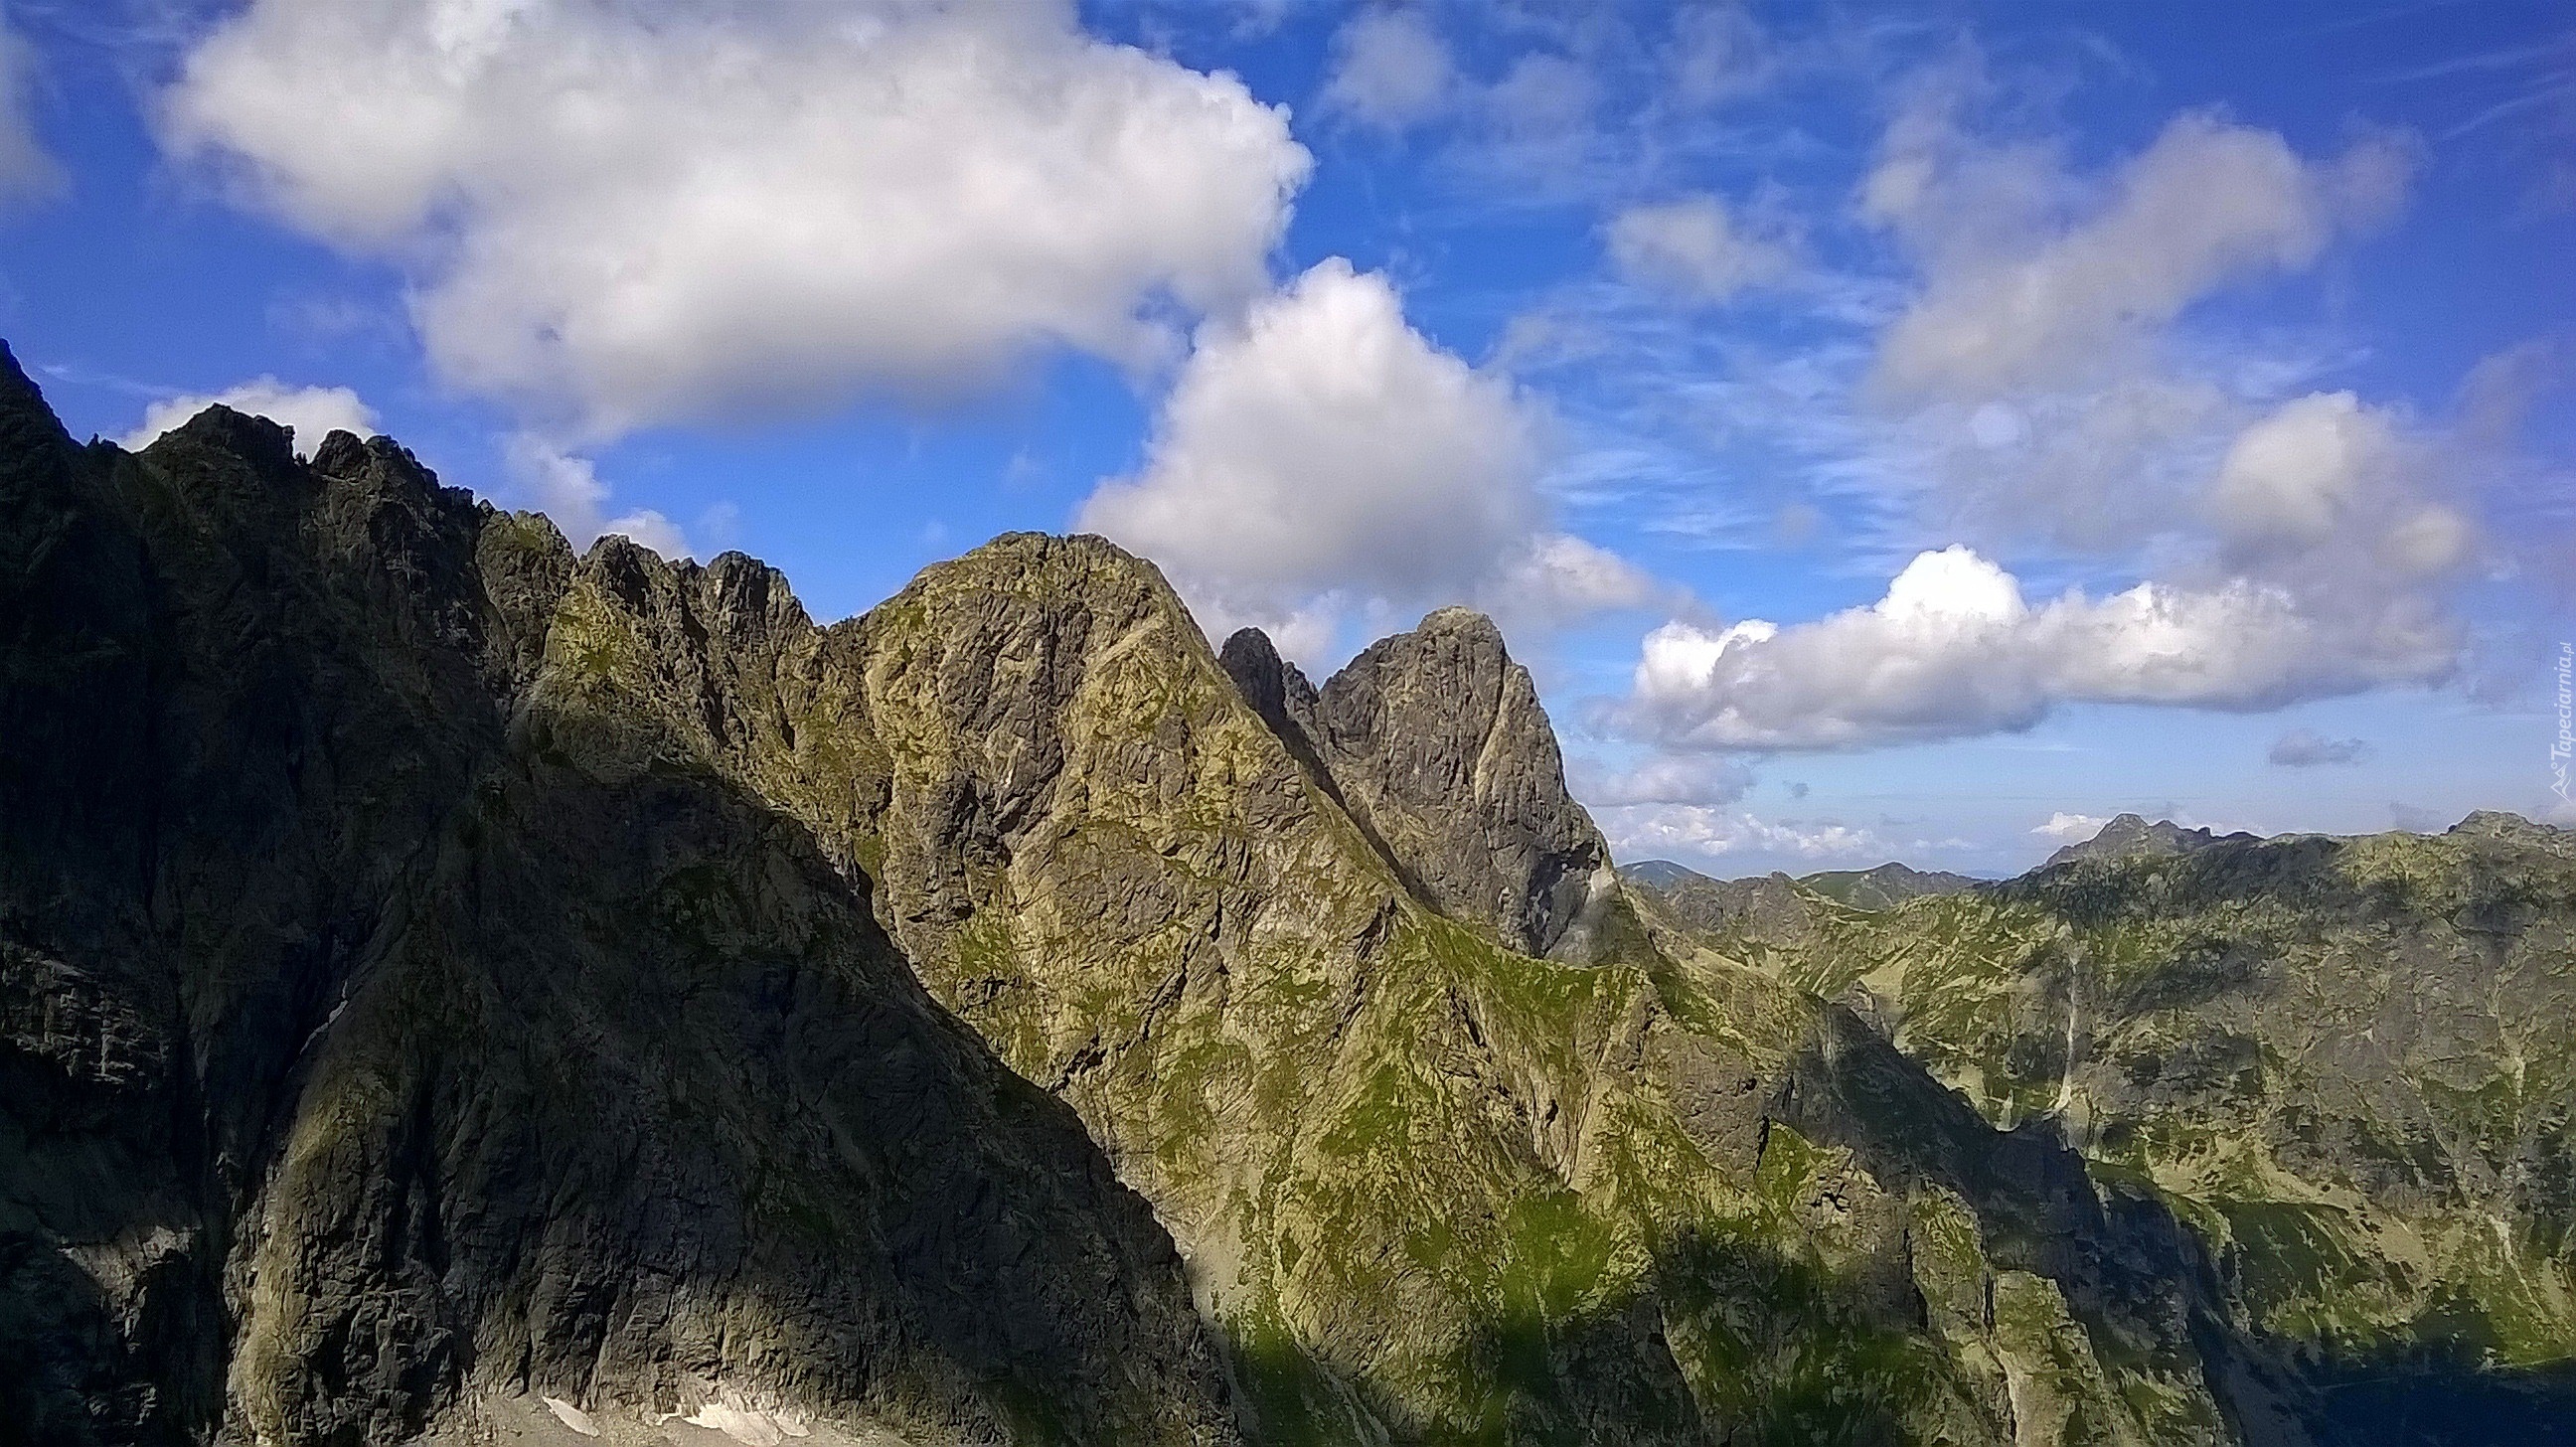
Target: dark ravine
{"points": [[452, 989]]}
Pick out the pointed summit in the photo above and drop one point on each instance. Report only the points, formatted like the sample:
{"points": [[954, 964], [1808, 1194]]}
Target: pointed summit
{"points": [[2130, 836], [1436, 740], [1276, 688]]}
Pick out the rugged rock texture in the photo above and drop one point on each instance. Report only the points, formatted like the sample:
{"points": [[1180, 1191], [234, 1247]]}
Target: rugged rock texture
{"points": [[1435, 743], [1428, 1189], [390, 1037], [1432, 1189]]}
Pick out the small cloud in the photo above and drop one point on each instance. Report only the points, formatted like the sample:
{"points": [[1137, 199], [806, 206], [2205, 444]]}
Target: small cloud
{"points": [[27, 173], [2416, 820], [1719, 52], [1666, 779], [1390, 70], [2308, 749], [568, 489], [2068, 828], [1695, 248], [1649, 831], [1023, 472]]}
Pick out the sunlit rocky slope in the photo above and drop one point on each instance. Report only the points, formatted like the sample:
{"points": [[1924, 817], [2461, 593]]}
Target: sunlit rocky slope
{"points": [[452, 988]]}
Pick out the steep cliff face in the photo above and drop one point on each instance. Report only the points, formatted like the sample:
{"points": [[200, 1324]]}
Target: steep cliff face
{"points": [[390, 1040], [1435, 743], [2346, 1063]]}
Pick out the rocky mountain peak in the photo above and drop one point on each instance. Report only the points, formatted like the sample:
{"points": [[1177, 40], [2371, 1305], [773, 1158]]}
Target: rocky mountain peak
{"points": [[343, 949], [1435, 741], [2512, 828], [267, 447], [2131, 836], [1276, 689]]}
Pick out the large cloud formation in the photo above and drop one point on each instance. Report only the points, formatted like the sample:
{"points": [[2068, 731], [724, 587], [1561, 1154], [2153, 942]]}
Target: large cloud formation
{"points": [[616, 214], [1955, 649], [2290, 549], [1320, 449]]}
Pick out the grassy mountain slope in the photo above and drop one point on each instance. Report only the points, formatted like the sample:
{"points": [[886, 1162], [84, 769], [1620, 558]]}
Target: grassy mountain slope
{"points": [[2346, 1062]]}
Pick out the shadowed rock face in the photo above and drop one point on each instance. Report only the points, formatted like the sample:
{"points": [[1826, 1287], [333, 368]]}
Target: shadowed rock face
{"points": [[388, 1035], [1435, 741]]}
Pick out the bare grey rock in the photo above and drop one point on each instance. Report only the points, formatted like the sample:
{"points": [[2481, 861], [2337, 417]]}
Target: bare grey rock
{"points": [[1436, 743]]}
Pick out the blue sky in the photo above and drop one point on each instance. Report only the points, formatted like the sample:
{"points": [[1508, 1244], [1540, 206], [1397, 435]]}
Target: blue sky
{"points": [[1888, 432]]}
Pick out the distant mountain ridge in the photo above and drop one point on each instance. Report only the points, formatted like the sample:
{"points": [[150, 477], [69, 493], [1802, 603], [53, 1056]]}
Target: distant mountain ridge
{"points": [[2348, 1061], [2130, 835]]}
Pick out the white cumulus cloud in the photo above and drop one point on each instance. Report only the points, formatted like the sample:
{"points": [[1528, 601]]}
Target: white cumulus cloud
{"points": [[1649, 831], [1321, 449], [2068, 828], [1954, 649], [616, 214], [312, 412], [1696, 779], [569, 490]]}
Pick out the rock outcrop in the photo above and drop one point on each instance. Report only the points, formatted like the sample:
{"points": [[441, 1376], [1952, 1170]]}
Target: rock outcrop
{"points": [[1435, 743], [2131, 836]]}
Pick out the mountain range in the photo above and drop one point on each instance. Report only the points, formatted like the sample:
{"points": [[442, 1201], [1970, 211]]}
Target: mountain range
{"points": [[457, 989]]}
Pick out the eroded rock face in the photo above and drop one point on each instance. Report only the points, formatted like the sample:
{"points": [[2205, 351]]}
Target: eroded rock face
{"points": [[387, 1028], [1435, 742]]}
